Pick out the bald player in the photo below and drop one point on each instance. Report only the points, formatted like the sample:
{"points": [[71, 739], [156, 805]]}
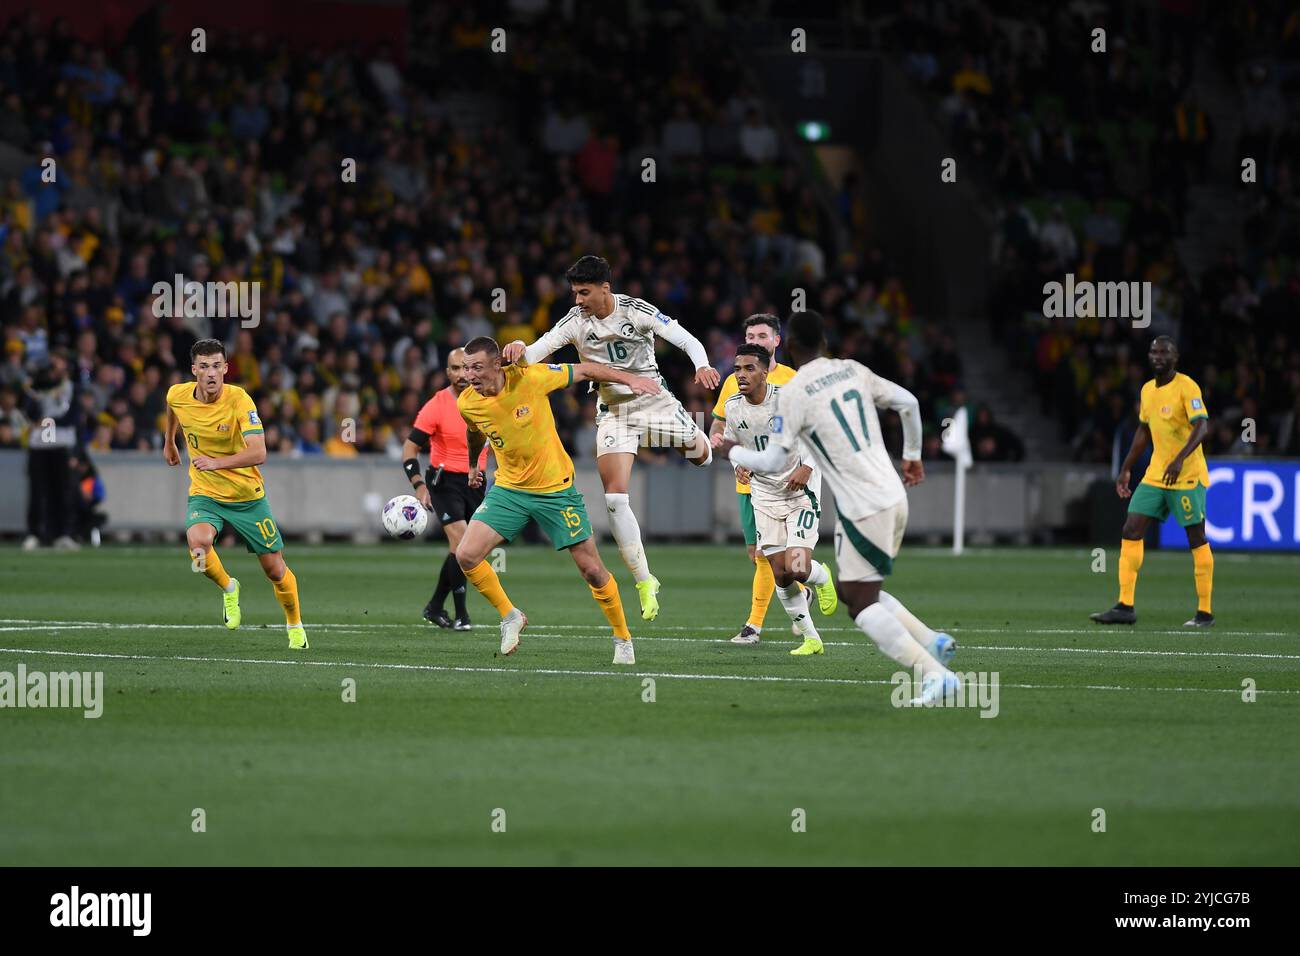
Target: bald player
{"points": [[445, 489], [1174, 421]]}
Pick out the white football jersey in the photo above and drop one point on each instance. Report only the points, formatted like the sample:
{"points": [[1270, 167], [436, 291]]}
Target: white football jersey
{"points": [[751, 426], [830, 405], [624, 339]]}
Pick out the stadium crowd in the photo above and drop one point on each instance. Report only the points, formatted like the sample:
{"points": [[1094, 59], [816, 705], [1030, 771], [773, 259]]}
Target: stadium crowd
{"points": [[229, 167], [1091, 159]]}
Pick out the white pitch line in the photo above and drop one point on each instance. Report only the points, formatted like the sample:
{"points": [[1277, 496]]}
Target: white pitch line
{"points": [[362, 629], [562, 672], [27, 628], [957, 631], [1130, 651]]}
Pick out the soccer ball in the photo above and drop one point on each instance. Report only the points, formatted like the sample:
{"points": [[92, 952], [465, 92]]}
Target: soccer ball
{"points": [[405, 518]]}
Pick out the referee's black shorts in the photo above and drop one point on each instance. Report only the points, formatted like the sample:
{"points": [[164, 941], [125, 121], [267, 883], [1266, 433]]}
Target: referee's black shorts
{"points": [[452, 497]]}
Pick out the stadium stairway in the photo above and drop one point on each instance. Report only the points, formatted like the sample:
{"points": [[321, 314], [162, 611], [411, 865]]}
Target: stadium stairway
{"points": [[990, 378], [1215, 213], [1216, 209], [471, 112]]}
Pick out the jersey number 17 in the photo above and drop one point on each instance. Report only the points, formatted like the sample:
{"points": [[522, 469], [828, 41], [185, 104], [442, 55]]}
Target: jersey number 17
{"points": [[851, 395]]}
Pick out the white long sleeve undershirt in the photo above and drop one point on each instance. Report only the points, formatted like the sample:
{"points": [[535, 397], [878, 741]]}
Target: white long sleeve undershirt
{"points": [[773, 459]]}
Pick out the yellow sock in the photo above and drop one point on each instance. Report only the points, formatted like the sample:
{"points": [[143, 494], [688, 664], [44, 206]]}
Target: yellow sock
{"points": [[764, 585], [212, 569], [489, 585], [1203, 568], [1130, 559], [286, 592], [607, 597]]}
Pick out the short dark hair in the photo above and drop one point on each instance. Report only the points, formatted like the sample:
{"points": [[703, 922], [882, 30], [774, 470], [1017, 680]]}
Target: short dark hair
{"points": [[763, 355], [764, 318], [808, 329], [589, 270], [207, 347], [1165, 338], [484, 343]]}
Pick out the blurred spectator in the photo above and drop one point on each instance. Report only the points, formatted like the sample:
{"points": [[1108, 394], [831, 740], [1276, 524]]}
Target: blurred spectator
{"points": [[758, 141], [53, 408]]}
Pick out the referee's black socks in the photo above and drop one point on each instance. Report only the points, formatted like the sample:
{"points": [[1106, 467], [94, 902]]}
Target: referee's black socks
{"points": [[451, 580]]}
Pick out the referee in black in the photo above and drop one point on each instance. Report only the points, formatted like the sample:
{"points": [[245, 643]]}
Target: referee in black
{"points": [[445, 489]]}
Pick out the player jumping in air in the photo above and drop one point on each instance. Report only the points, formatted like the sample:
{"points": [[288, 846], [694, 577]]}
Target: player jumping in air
{"points": [[226, 444], [830, 408], [618, 331], [445, 488], [786, 510], [508, 406], [764, 330], [1172, 417]]}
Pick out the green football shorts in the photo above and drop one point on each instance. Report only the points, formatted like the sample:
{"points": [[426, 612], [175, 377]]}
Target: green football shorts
{"points": [[561, 514], [747, 518], [251, 520], [1187, 505]]}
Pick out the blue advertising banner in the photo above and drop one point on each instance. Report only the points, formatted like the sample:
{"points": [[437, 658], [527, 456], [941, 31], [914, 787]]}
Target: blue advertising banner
{"points": [[1251, 506]]}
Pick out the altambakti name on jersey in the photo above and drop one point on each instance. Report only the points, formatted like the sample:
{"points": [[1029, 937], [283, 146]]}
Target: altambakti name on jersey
{"points": [[751, 426], [830, 405], [624, 339]]}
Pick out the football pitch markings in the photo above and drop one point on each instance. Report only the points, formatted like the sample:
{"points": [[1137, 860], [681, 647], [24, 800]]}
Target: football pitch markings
{"points": [[23, 625], [1098, 631], [566, 672]]}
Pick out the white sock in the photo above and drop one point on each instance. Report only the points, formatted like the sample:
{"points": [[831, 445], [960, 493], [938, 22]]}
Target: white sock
{"points": [[627, 533], [923, 635], [230, 586], [892, 638], [817, 573], [796, 605]]}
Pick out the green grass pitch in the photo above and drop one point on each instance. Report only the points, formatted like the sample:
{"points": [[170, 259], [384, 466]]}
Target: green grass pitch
{"points": [[1145, 723]]}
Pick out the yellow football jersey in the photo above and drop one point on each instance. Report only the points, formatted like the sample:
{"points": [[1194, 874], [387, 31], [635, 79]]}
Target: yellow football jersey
{"points": [[777, 376], [1169, 413], [519, 424], [216, 429]]}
